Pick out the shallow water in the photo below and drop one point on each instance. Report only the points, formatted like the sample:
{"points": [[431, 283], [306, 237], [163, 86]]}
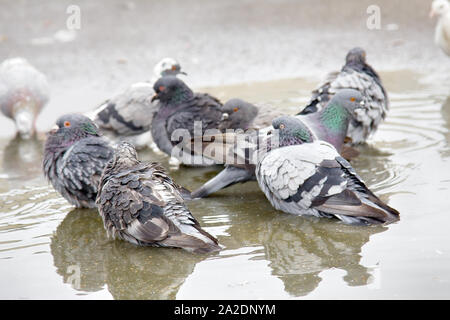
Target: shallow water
{"points": [[48, 249]]}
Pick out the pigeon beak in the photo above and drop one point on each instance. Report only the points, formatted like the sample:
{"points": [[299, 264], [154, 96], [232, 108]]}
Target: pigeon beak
{"points": [[155, 97], [225, 116], [184, 73], [362, 104]]}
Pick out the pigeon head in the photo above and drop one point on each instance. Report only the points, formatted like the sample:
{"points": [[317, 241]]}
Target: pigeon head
{"points": [[171, 90], [167, 67], [239, 113], [349, 99], [356, 56], [439, 8], [125, 156], [291, 131], [69, 129]]}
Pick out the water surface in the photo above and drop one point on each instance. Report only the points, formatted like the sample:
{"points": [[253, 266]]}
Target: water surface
{"points": [[48, 249]]}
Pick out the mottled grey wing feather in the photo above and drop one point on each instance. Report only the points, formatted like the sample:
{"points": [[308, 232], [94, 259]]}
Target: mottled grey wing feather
{"points": [[144, 206], [313, 179], [81, 168], [129, 113], [375, 98]]}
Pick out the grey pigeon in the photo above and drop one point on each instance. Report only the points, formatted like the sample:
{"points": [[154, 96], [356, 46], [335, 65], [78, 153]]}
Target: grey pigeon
{"points": [[74, 157], [441, 8], [329, 124], [306, 176], [23, 93], [128, 115], [178, 109], [240, 114], [141, 204], [355, 74]]}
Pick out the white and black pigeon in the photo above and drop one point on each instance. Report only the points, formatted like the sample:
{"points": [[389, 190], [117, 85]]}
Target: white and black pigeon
{"points": [[306, 176], [441, 8], [24, 91], [355, 74], [330, 124], [141, 204], [128, 115], [74, 158]]}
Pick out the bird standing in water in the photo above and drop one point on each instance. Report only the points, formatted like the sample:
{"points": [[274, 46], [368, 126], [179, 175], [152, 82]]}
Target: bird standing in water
{"points": [[128, 115], [141, 204], [358, 75], [24, 91], [74, 157], [306, 176]]}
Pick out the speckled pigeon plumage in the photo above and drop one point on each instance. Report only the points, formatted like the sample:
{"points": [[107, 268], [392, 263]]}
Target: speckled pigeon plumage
{"points": [[128, 115], [141, 204], [304, 176], [329, 124], [441, 8], [178, 108], [355, 74], [23, 93], [74, 157]]}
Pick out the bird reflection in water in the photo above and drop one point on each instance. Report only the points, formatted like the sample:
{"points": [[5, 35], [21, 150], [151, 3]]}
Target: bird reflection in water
{"points": [[80, 247], [22, 158]]}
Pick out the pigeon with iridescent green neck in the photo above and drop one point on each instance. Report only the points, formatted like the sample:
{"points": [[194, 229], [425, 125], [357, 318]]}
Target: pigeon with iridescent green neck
{"points": [[74, 157], [355, 74], [330, 124], [24, 91], [306, 176]]}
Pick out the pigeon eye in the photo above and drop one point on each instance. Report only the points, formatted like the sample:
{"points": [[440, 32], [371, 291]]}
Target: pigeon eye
{"points": [[174, 68], [352, 99], [282, 126], [162, 88], [66, 123], [235, 109]]}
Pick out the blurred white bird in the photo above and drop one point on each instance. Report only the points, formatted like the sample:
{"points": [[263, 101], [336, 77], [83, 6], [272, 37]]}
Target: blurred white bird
{"points": [[441, 8], [23, 93]]}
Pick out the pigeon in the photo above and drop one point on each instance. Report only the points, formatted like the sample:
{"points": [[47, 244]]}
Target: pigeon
{"points": [[329, 124], [141, 204], [240, 114], [179, 110], [358, 75], [128, 115], [441, 8], [306, 176], [24, 91], [74, 157]]}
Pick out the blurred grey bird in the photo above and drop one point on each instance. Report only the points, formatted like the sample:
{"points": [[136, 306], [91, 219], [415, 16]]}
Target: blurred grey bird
{"points": [[74, 157], [128, 115], [329, 124], [355, 74], [306, 176], [141, 204], [441, 8], [24, 91], [240, 114]]}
